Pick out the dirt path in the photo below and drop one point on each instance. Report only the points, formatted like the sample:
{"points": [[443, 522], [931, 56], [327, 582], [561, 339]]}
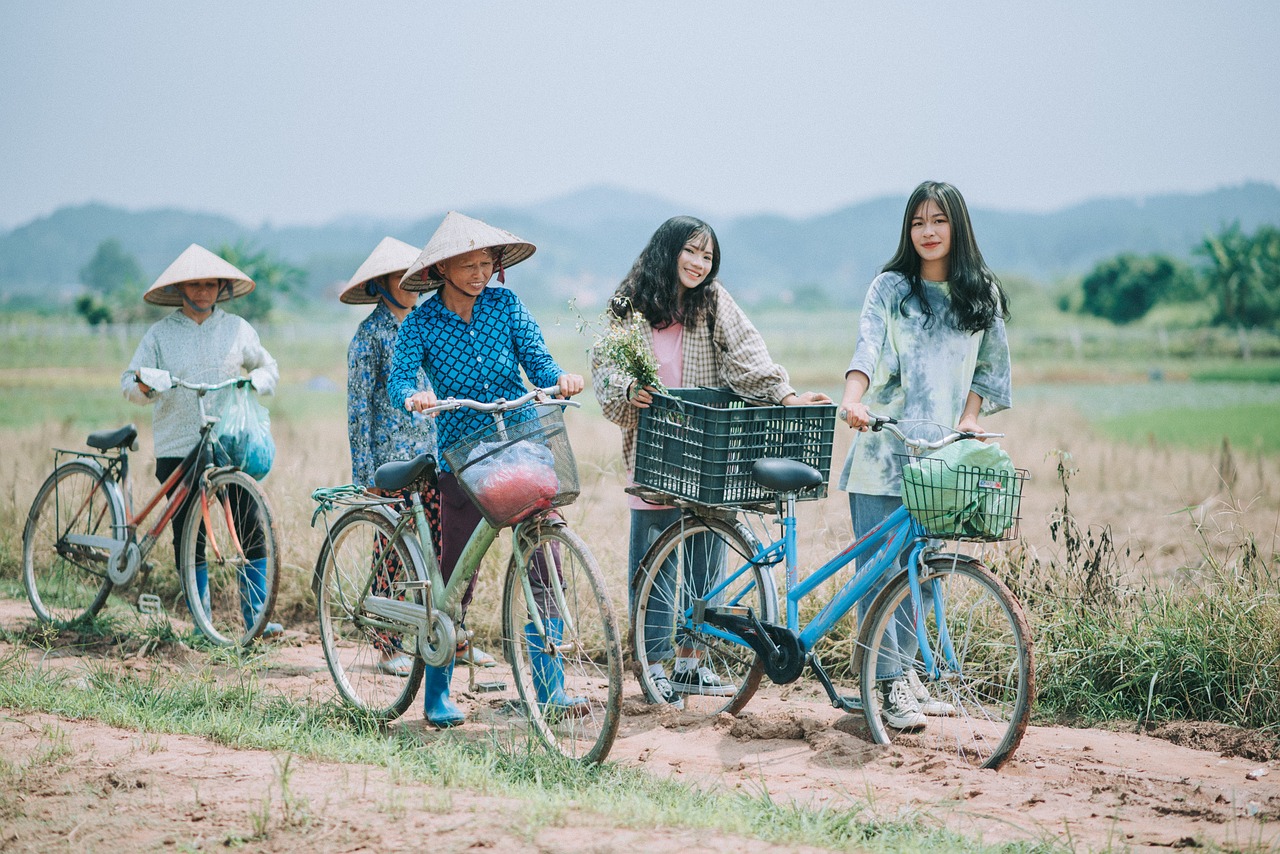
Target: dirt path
{"points": [[119, 790]]}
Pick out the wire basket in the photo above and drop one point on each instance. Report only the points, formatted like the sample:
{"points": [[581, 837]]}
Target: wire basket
{"points": [[513, 471], [700, 444], [962, 502]]}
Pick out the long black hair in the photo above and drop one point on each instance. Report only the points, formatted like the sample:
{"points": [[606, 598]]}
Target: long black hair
{"points": [[653, 285], [977, 296]]}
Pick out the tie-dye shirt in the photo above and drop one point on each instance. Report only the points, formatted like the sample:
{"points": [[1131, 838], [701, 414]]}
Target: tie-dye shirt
{"points": [[480, 360], [379, 432], [918, 371]]}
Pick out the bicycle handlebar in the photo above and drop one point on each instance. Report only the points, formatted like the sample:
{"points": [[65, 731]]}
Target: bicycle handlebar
{"points": [[206, 387], [452, 403], [884, 422]]}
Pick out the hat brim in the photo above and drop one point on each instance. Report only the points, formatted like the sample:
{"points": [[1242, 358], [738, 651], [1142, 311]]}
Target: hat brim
{"points": [[168, 295], [425, 277]]}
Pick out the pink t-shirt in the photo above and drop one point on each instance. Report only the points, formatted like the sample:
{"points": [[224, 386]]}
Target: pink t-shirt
{"points": [[668, 349]]}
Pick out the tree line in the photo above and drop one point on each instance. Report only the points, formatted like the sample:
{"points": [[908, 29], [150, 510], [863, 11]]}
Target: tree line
{"points": [[1238, 280], [115, 284]]}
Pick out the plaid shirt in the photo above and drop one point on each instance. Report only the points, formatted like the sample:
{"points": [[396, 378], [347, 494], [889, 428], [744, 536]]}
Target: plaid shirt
{"points": [[735, 356]]}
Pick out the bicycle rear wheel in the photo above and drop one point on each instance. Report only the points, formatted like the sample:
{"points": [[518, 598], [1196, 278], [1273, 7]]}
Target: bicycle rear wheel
{"points": [[230, 564], [569, 674], [982, 646], [67, 581], [362, 556], [685, 563]]}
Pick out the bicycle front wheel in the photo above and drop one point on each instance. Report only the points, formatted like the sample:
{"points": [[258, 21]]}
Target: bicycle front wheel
{"points": [[978, 637], [374, 669], [230, 565], [67, 541], [689, 561], [566, 663]]}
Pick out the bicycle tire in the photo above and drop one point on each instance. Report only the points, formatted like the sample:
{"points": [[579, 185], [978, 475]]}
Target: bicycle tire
{"points": [[690, 542], [241, 589], [360, 548], [67, 583], [587, 664], [990, 683]]}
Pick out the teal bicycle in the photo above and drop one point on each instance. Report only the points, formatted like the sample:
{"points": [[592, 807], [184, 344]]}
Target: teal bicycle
{"points": [[381, 595], [945, 625]]}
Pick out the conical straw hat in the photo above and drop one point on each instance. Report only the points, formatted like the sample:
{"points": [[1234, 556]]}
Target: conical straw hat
{"points": [[458, 235], [390, 256], [196, 264]]}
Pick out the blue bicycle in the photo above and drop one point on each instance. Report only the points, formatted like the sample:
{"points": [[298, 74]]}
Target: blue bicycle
{"points": [[934, 622]]}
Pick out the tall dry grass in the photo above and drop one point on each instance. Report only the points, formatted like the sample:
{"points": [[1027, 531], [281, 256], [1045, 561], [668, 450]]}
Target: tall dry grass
{"points": [[1158, 535]]}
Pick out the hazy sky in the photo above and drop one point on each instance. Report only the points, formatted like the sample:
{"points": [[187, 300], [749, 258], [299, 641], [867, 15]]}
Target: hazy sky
{"points": [[301, 112]]}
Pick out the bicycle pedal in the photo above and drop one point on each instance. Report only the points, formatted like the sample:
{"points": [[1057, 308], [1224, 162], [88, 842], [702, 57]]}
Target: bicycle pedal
{"points": [[150, 604], [490, 687]]}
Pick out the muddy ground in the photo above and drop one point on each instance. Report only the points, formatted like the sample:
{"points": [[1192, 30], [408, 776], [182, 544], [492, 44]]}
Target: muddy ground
{"points": [[1182, 785]]}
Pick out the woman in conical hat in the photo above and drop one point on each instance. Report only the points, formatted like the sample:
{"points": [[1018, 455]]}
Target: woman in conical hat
{"points": [[199, 343], [473, 341], [379, 432]]}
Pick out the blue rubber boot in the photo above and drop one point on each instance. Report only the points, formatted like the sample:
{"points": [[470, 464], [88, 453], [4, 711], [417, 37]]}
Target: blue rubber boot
{"points": [[548, 670], [438, 709], [253, 592], [202, 586]]}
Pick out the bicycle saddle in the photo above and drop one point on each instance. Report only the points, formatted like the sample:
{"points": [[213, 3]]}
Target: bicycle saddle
{"points": [[105, 440], [395, 476], [785, 475]]}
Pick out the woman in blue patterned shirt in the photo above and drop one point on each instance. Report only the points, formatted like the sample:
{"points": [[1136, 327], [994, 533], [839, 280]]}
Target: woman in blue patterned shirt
{"points": [[473, 341], [379, 432]]}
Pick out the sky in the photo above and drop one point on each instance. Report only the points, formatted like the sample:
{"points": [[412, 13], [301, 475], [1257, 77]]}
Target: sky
{"points": [[294, 112]]}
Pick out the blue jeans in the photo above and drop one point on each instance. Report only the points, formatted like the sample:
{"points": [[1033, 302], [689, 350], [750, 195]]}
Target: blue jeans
{"points": [[901, 645], [703, 563]]}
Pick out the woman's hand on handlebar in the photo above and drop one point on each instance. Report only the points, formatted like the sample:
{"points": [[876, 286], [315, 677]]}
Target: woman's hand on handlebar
{"points": [[420, 401], [571, 384], [855, 414]]}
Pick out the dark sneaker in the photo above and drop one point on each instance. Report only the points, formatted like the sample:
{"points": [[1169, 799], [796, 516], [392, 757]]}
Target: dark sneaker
{"points": [[898, 705], [702, 681], [667, 694]]}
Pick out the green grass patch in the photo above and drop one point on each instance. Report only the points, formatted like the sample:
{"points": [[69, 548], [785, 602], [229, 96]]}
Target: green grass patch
{"points": [[1261, 371], [1248, 426], [240, 715]]}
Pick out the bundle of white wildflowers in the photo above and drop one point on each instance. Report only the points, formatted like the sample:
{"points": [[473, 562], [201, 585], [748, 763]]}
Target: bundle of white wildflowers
{"points": [[623, 343]]}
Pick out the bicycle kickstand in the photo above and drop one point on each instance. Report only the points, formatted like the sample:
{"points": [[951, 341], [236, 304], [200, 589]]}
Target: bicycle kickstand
{"points": [[846, 704]]}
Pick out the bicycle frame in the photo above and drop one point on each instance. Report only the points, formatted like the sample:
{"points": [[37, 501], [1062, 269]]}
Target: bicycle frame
{"points": [[447, 597], [877, 552]]}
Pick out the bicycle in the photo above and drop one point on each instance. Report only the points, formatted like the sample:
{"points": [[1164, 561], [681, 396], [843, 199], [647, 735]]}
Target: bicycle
{"points": [[380, 592], [974, 645], [81, 542]]}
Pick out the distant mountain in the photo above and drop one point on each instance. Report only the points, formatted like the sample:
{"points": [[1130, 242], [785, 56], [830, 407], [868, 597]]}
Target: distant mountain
{"points": [[587, 240]]}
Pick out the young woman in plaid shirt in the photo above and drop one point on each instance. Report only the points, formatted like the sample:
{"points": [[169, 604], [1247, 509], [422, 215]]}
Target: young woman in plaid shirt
{"points": [[699, 337]]}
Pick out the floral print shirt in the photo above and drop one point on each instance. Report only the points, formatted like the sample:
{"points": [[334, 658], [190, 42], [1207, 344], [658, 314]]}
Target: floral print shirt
{"points": [[480, 360], [222, 347], [918, 370], [379, 432]]}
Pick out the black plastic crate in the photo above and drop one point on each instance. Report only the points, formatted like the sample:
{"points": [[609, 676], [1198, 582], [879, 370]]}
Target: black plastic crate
{"points": [[700, 444]]}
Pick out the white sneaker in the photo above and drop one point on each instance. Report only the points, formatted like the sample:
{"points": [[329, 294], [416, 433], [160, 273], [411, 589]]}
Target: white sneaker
{"points": [[898, 706], [701, 680], [928, 705], [666, 693]]}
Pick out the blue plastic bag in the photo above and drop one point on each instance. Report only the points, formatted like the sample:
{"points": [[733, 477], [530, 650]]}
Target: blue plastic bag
{"points": [[243, 432]]}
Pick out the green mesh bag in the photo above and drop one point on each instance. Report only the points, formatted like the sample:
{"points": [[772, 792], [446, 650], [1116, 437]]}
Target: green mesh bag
{"points": [[968, 490]]}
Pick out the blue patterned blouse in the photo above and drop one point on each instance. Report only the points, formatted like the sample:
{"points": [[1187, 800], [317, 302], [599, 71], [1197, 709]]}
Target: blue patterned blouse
{"points": [[480, 360], [379, 432]]}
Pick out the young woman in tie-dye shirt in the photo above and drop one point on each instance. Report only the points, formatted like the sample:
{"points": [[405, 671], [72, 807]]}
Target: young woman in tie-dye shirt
{"points": [[931, 346]]}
